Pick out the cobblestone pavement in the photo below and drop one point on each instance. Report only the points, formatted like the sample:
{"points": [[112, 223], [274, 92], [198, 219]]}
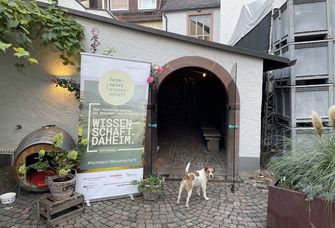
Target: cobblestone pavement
{"points": [[245, 208], [179, 145]]}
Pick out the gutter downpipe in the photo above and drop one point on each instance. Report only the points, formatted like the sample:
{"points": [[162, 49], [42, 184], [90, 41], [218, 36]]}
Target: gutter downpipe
{"points": [[166, 22]]}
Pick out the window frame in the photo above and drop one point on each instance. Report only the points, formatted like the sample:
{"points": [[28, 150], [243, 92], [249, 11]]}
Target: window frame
{"points": [[104, 4], [201, 13], [111, 6], [138, 5]]}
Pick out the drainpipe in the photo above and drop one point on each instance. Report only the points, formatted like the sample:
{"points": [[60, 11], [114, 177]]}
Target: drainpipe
{"points": [[166, 22]]}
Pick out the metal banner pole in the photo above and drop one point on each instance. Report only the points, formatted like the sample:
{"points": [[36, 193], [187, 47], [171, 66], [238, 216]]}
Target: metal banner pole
{"points": [[232, 187]]}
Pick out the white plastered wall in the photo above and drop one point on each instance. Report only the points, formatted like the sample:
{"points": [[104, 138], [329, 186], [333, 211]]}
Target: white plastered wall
{"points": [[32, 101], [152, 24], [177, 22], [135, 45]]}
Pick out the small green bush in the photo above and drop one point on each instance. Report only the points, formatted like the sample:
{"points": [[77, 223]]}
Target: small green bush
{"points": [[151, 184]]}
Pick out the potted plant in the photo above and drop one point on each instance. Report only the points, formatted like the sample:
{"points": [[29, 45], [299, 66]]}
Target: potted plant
{"points": [[304, 194], [151, 187], [60, 164]]}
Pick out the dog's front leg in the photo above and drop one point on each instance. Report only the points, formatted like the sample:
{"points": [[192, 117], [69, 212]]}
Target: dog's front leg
{"points": [[204, 191], [198, 191]]}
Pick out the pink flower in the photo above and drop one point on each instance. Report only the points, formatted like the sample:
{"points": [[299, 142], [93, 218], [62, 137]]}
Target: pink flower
{"points": [[53, 79], [150, 79], [159, 70]]}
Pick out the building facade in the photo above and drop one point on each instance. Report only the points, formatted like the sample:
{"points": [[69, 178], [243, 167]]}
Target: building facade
{"points": [[199, 19], [234, 75], [143, 12], [213, 20], [81, 6], [302, 31]]}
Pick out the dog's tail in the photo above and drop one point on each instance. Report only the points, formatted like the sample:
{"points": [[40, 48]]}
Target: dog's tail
{"points": [[187, 167]]}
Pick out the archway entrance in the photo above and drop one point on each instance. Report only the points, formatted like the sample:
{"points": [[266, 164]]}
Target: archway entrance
{"points": [[187, 100], [193, 93]]}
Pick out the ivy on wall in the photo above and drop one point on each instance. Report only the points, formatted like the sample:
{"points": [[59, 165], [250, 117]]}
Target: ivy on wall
{"points": [[69, 84], [22, 22]]}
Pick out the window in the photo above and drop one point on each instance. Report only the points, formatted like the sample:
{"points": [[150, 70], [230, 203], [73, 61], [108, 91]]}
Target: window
{"points": [[146, 4], [104, 4], [95, 4], [119, 4], [200, 26]]}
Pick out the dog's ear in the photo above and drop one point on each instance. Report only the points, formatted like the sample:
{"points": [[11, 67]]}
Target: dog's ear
{"points": [[206, 168]]}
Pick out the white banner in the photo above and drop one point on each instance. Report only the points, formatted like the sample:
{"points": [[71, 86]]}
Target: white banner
{"points": [[114, 96], [100, 185]]}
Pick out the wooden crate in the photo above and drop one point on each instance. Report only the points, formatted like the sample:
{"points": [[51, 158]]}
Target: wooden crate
{"points": [[56, 212]]}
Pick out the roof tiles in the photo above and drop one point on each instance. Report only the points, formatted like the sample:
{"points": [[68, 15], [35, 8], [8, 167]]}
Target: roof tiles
{"points": [[178, 5]]}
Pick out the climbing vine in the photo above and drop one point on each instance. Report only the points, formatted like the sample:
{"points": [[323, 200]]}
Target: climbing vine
{"points": [[69, 84], [22, 22]]}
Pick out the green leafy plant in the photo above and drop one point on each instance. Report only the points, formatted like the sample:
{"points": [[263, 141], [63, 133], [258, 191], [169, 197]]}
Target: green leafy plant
{"points": [[151, 184], [69, 84], [310, 170], [58, 160], [22, 22]]}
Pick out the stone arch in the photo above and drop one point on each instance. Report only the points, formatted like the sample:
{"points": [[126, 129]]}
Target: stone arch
{"points": [[233, 136]]}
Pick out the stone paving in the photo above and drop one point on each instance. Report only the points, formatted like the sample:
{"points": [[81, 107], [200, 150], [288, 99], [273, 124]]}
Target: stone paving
{"points": [[245, 208], [179, 145]]}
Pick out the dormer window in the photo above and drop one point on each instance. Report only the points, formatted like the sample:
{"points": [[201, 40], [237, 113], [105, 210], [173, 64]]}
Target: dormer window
{"points": [[146, 4], [200, 26], [119, 4]]}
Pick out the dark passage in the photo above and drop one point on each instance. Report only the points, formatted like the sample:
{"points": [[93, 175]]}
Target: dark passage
{"points": [[187, 98], [190, 96]]}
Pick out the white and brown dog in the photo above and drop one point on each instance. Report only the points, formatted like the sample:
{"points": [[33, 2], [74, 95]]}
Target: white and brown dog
{"points": [[197, 180]]}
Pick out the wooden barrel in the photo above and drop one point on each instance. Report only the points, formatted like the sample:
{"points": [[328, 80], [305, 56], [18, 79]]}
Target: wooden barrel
{"points": [[29, 147]]}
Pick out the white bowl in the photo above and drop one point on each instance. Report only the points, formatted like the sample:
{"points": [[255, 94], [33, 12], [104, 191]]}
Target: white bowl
{"points": [[8, 198]]}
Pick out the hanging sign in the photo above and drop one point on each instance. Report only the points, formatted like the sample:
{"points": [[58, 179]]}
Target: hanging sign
{"points": [[114, 96]]}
